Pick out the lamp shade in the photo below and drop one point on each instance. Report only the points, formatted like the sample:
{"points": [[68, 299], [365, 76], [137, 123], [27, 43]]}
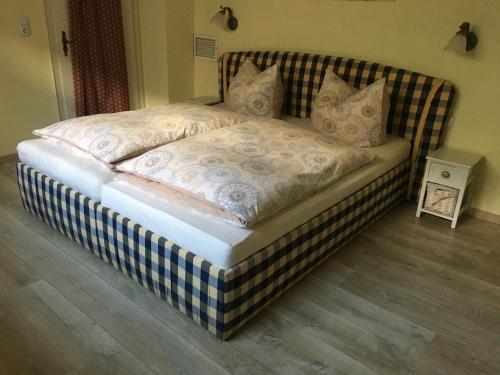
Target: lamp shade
{"points": [[457, 44], [463, 41]]}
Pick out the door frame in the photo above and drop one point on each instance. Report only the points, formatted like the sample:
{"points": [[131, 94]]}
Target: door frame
{"points": [[133, 52], [64, 96]]}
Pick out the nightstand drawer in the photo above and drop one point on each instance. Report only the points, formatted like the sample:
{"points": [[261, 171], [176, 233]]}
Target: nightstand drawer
{"points": [[447, 175]]}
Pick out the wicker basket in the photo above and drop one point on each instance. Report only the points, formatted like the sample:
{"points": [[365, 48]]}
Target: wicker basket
{"points": [[441, 199]]}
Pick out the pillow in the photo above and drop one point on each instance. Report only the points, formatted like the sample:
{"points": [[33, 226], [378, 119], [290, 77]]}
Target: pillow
{"points": [[334, 90], [256, 93], [118, 136], [356, 117]]}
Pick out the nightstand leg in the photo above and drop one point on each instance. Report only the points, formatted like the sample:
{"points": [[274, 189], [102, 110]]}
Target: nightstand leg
{"points": [[423, 190], [458, 208]]}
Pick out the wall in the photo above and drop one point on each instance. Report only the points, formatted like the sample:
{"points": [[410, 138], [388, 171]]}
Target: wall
{"points": [[404, 33], [166, 28], [179, 21], [153, 30], [27, 92]]}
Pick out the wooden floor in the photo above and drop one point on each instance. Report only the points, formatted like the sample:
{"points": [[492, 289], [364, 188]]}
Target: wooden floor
{"points": [[407, 296]]}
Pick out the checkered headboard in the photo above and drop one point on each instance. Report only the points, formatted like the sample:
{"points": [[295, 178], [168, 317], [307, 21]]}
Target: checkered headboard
{"points": [[412, 94]]}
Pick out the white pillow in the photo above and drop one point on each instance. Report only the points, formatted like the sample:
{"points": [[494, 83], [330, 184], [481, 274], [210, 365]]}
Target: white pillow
{"points": [[356, 117], [334, 90], [256, 93]]}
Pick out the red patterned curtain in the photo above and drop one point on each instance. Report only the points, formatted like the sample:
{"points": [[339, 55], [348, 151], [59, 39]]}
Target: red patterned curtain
{"points": [[98, 56]]}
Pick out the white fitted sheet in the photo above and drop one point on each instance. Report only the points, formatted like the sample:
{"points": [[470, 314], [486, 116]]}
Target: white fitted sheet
{"points": [[76, 170], [226, 245]]}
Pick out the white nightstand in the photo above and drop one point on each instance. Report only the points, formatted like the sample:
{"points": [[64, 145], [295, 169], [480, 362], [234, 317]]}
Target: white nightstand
{"points": [[205, 100], [452, 169]]}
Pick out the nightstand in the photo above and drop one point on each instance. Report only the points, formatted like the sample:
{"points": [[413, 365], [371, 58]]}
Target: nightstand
{"points": [[446, 187], [205, 100]]}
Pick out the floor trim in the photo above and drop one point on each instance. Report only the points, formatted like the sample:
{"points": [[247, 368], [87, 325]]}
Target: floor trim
{"points": [[484, 215], [8, 158]]}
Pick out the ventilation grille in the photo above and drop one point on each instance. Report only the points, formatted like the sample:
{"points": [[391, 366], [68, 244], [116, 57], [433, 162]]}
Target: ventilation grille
{"points": [[205, 47]]}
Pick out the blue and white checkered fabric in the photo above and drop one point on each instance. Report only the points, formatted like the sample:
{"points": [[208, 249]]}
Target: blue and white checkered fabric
{"points": [[217, 299]]}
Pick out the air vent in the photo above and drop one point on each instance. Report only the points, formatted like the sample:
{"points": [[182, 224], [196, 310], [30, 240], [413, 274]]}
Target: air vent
{"points": [[205, 47]]}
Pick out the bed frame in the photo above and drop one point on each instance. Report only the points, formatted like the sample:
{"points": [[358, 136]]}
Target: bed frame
{"points": [[222, 300]]}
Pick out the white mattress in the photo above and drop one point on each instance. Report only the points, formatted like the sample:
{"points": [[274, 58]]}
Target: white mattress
{"points": [[226, 245], [76, 170]]}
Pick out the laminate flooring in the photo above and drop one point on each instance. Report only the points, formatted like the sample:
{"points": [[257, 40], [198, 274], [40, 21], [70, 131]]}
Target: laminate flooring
{"points": [[407, 296]]}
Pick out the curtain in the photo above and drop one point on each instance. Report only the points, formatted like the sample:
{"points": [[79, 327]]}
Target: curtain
{"points": [[98, 56]]}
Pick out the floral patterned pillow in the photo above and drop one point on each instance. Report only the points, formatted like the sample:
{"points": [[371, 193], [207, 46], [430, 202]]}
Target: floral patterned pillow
{"points": [[356, 117], [334, 90], [256, 93]]}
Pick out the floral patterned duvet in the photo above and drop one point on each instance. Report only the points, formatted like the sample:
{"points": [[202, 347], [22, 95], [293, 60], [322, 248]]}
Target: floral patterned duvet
{"points": [[114, 137], [252, 170]]}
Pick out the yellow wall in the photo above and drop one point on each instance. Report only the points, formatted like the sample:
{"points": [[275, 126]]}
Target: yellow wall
{"points": [[405, 33], [167, 58], [166, 41], [27, 92], [179, 20], [153, 31]]}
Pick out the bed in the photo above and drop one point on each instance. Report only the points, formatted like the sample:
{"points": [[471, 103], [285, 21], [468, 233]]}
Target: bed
{"points": [[224, 282]]}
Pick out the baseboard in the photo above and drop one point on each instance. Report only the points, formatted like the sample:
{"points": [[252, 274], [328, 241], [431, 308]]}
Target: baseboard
{"points": [[8, 158], [483, 215]]}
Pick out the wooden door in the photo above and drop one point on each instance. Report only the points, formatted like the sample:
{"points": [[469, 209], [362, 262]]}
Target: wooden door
{"points": [[58, 22]]}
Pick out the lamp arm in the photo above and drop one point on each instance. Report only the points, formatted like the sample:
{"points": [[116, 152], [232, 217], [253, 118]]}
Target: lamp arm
{"points": [[464, 28], [223, 10]]}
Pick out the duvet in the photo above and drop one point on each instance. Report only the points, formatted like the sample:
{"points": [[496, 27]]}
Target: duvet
{"points": [[118, 136], [251, 170]]}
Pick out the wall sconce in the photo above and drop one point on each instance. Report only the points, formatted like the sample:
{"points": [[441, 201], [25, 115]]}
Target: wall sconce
{"points": [[463, 41], [232, 21]]}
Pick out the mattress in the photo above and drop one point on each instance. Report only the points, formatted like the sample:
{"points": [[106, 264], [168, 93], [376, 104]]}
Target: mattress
{"points": [[75, 169], [226, 245]]}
